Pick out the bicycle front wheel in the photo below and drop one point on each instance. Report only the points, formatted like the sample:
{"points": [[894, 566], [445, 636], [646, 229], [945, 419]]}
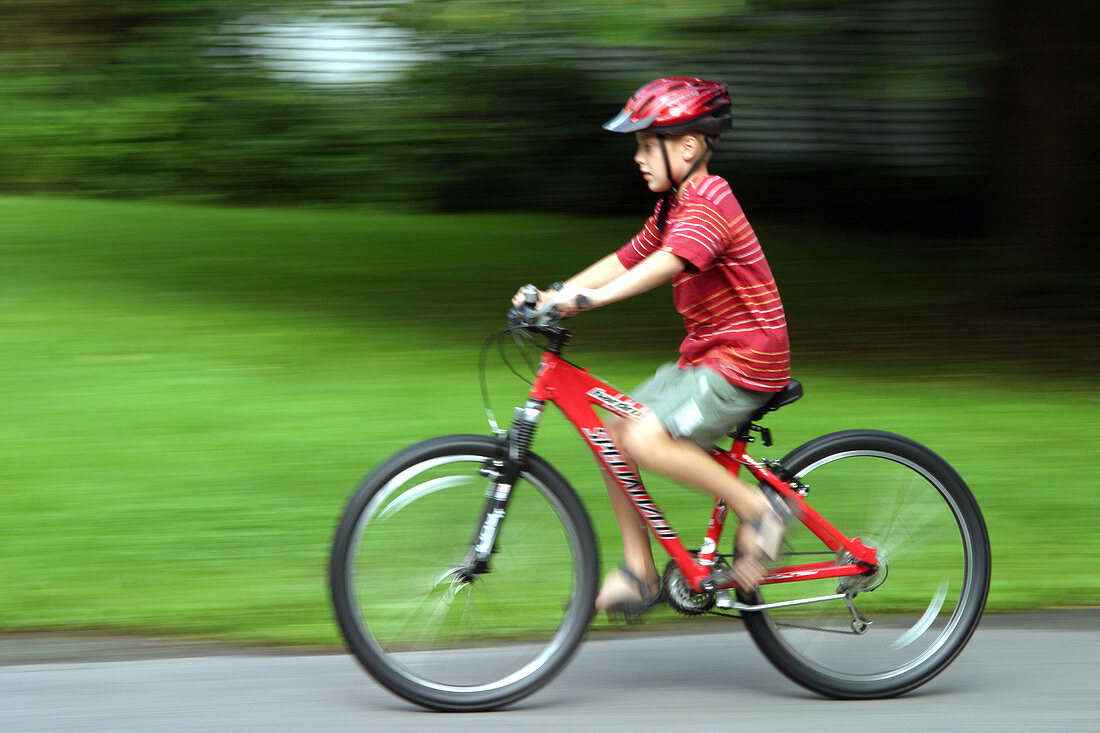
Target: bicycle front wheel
{"points": [[438, 636], [895, 628]]}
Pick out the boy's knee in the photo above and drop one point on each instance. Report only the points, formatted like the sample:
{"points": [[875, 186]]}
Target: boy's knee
{"points": [[636, 438], [617, 429], [622, 432]]}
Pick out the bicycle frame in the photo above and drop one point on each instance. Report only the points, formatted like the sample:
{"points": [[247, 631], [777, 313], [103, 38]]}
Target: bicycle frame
{"points": [[577, 393]]}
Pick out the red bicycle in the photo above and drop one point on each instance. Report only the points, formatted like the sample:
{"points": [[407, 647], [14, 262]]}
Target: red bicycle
{"points": [[464, 569]]}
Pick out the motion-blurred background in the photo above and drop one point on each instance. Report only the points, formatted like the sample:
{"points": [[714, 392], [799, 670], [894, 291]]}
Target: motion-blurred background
{"points": [[249, 248], [951, 115]]}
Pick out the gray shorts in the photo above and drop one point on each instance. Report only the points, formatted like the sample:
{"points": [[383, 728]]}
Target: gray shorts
{"points": [[697, 403]]}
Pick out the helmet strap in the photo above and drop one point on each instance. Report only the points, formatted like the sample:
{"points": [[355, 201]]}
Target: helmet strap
{"points": [[667, 196], [674, 189]]}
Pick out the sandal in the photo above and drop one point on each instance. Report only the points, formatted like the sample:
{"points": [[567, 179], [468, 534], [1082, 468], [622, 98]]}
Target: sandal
{"points": [[770, 527], [768, 531], [626, 595]]}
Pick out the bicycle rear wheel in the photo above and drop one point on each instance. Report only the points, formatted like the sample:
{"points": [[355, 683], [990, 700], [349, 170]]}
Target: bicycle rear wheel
{"points": [[909, 619], [432, 635]]}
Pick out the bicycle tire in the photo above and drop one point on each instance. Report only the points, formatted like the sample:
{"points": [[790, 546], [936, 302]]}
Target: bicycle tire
{"points": [[440, 642], [928, 596]]}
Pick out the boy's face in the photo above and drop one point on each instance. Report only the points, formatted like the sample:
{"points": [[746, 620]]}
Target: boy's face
{"points": [[681, 153]]}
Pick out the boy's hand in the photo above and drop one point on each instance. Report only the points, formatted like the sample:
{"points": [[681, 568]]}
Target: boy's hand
{"points": [[521, 297], [565, 300]]}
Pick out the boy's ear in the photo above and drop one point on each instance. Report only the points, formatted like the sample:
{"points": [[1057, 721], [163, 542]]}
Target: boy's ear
{"points": [[692, 145]]}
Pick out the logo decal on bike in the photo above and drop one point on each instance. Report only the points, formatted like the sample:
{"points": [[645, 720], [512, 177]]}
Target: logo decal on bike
{"points": [[619, 404], [488, 532], [458, 611], [794, 574], [630, 482]]}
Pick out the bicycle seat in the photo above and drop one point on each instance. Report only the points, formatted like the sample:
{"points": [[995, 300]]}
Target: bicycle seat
{"points": [[785, 396]]}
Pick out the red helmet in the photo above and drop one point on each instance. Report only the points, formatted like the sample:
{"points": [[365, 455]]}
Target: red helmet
{"points": [[674, 106]]}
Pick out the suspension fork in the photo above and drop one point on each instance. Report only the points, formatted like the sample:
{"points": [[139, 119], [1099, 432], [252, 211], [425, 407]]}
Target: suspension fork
{"points": [[502, 474]]}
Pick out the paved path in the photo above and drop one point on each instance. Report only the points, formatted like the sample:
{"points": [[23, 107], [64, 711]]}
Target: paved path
{"points": [[1034, 673]]}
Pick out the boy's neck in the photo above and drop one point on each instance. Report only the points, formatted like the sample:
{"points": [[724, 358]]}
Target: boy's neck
{"points": [[698, 174]]}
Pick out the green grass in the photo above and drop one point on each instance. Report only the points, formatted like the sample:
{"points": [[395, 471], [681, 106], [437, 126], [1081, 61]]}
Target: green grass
{"points": [[189, 395]]}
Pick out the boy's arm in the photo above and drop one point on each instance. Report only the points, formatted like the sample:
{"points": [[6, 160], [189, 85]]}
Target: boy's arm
{"points": [[598, 274], [657, 268]]}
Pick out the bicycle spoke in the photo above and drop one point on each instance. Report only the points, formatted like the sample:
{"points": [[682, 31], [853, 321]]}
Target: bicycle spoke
{"points": [[420, 491], [425, 629], [925, 621], [899, 625]]}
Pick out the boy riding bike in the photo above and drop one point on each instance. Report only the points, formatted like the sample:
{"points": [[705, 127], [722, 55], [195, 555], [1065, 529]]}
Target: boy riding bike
{"points": [[735, 356]]}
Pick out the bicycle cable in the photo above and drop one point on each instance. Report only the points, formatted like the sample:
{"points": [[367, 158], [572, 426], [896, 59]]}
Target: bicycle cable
{"points": [[518, 333]]}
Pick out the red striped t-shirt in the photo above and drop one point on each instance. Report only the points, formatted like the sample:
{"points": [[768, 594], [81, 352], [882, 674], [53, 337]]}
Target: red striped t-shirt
{"points": [[726, 293]]}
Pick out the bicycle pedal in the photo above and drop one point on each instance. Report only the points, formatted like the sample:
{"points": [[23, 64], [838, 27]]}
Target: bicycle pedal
{"points": [[723, 600]]}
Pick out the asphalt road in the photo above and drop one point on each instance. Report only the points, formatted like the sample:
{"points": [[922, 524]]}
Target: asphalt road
{"points": [[1030, 673]]}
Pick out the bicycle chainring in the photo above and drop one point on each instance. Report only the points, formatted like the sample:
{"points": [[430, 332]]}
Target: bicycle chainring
{"points": [[679, 594]]}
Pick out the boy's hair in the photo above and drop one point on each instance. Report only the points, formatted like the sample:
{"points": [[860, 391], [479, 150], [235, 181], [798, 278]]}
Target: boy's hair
{"points": [[675, 106]]}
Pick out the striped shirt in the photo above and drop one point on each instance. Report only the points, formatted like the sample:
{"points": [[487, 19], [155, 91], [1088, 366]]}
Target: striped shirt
{"points": [[726, 293]]}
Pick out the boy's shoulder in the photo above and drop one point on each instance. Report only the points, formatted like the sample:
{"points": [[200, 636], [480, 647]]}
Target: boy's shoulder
{"points": [[714, 190]]}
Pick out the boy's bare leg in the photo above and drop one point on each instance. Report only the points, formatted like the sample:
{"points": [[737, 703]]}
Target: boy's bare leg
{"points": [[637, 553], [647, 441]]}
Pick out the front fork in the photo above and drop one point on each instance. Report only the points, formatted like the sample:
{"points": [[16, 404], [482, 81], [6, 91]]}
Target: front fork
{"points": [[502, 474]]}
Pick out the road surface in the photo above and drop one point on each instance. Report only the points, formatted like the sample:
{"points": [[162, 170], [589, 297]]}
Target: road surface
{"points": [[1033, 673]]}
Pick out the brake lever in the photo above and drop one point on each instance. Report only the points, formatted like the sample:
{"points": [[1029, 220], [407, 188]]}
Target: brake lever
{"points": [[522, 315], [546, 315]]}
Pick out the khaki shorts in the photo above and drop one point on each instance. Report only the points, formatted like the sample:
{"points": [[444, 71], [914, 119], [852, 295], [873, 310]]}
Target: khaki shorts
{"points": [[698, 403]]}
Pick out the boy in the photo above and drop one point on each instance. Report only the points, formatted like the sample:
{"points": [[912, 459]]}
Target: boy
{"points": [[735, 356]]}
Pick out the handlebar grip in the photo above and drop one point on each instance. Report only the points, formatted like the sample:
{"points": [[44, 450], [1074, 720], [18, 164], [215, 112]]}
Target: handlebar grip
{"points": [[530, 295]]}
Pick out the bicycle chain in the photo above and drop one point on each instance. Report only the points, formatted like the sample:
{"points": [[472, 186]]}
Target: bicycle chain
{"points": [[739, 617], [817, 628]]}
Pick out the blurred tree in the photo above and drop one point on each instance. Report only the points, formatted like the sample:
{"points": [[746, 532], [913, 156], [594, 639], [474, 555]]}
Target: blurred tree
{"points": [[503, 129], [94, 91], [1047, 152], [698, 27], [149, 97]]}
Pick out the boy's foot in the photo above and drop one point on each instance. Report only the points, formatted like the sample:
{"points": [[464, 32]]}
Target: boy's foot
{"points": [[758, 541], [625, 594], [770, 527]]}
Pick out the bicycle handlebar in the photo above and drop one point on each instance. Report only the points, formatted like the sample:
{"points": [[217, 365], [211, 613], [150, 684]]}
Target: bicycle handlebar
{"points": [[529, 315], [530, 295]]}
